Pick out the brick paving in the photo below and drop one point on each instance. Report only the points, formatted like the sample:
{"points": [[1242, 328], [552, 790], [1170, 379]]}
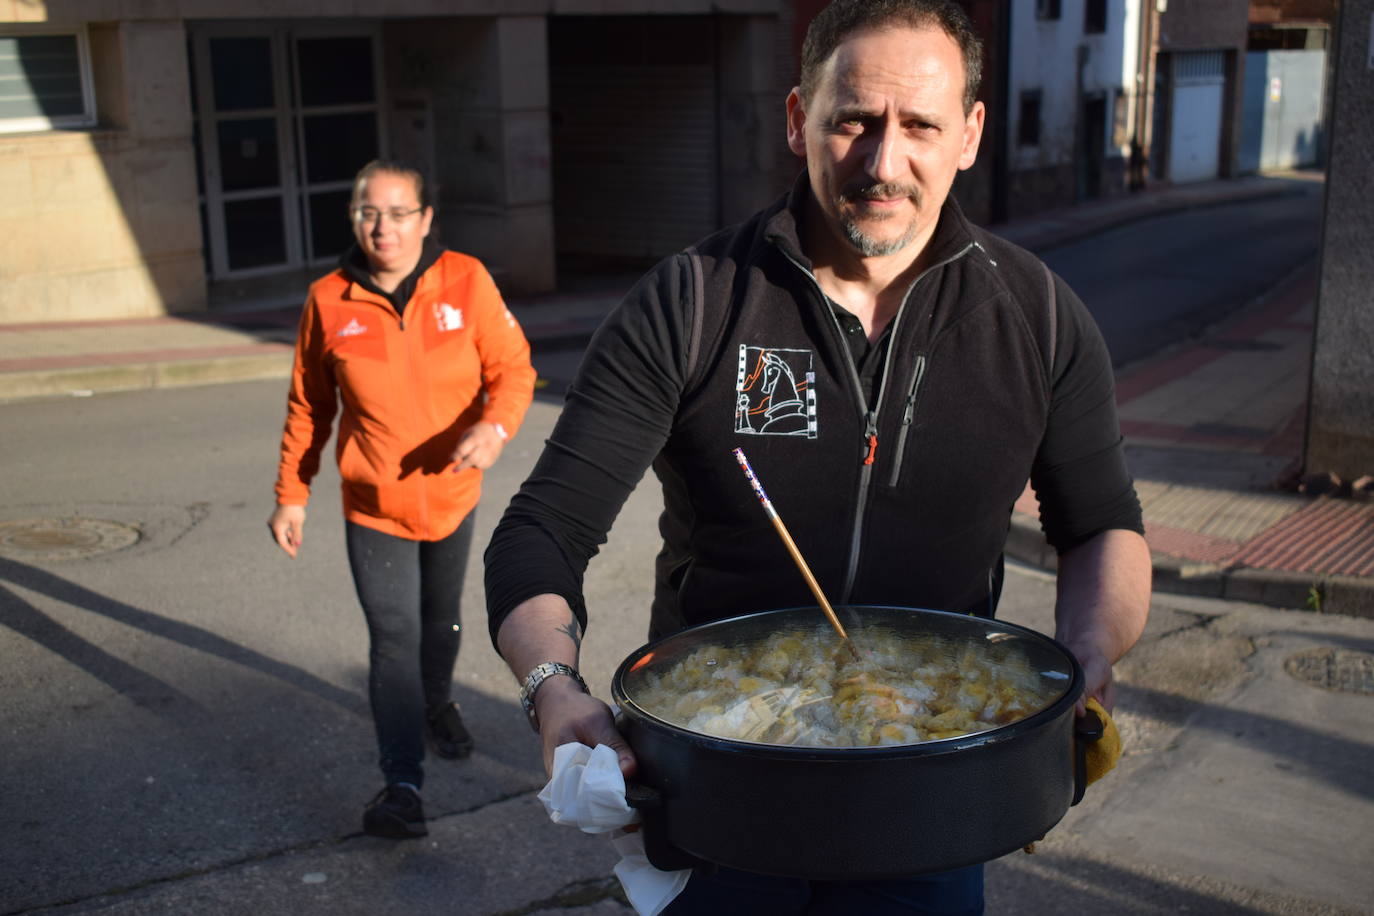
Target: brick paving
{"points": [[1241, 389]]}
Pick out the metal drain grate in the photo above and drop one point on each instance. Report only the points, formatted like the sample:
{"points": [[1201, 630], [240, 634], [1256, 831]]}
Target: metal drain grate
{"points": [[1333, 669], [63, 538]]}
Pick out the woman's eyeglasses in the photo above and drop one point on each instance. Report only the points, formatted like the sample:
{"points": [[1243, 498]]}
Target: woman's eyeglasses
{"points": [[369, 215]]}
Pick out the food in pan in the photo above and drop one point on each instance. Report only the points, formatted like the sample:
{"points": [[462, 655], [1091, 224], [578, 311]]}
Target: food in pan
{"points": [[803, 687]]}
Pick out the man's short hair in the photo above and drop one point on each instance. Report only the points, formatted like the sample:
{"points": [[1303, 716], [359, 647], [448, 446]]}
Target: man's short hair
{"points": [[843, 18]]}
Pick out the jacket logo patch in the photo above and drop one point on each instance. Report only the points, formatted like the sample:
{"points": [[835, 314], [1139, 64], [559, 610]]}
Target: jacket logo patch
{"points": [[352, 329], [449, 318], [775, 392]]}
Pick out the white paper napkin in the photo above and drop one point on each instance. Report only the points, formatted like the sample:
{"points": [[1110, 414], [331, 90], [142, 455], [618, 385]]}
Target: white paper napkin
{"points": [[587, 791]]}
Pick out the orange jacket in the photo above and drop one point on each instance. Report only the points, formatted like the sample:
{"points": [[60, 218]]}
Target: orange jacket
{"points": [[410, 386]]}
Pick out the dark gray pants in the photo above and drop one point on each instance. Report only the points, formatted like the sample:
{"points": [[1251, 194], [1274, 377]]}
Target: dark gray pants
{"points": [[410, 592]]}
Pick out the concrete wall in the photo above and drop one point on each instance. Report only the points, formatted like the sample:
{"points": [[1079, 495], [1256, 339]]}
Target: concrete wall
{"points": [[98, 223], [484, 84], [1197, 25], [751, 117], [1340, 422]]}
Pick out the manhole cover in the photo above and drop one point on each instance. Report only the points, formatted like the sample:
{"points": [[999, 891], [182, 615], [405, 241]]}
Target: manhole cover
{"points": [[63, 538], [1333, 669]]}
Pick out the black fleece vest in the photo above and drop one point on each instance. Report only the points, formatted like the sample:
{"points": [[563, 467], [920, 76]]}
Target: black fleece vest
{"points": [[907, 504]]}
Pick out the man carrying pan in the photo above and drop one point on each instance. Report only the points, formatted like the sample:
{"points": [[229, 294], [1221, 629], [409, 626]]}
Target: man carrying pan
{"points": [[929, 367]]}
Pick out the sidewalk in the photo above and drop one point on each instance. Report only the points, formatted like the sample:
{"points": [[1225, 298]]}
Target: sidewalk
{"points": [[1211, 425]]}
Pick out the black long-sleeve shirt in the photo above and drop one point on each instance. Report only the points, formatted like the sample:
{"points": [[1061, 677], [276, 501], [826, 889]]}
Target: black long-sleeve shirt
{"points": [[895, 465]]}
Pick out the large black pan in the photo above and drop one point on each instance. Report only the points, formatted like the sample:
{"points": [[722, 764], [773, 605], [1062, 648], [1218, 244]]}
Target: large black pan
{"points": [[852, 813]]}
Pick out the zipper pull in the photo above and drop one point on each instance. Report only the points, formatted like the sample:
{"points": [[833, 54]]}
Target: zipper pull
{"points": [[403, 324], [872, 448], [909, 410], [871, 432]]}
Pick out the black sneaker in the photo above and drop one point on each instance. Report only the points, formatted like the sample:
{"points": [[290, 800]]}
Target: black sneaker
{"points": [[447, 734], [396, 813]]}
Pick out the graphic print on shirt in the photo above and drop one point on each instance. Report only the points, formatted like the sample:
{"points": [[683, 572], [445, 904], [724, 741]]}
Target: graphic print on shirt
{"points": [[775, 392], [352, 329], [449, 318]]}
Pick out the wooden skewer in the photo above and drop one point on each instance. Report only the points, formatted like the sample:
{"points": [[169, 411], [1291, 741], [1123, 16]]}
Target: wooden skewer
{"points": [[792, 548]]}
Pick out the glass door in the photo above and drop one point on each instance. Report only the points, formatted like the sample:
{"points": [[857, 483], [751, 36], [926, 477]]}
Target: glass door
{"points": [[246, 153], [336, 121], [284, 117]]}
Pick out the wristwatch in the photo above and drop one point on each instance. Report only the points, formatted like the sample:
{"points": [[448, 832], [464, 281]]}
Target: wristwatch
{"points": [[541, 673]]}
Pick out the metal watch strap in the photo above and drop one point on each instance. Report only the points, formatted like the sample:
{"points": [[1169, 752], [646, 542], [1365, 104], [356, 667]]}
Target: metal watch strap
{"points": [[541, 673]]}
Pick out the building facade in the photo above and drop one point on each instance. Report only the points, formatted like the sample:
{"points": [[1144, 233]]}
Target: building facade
{"points": [[176, 155], [182, 155], [1073, 93]]}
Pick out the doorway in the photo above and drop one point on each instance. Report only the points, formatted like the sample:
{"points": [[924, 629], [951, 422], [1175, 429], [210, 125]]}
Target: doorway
{"points": [[1092, 146], [1195, 113], [284, 117]]}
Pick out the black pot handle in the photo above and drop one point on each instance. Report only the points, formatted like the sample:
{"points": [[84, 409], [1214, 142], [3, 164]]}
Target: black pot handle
{"points": [[1087, 729], [641, 797], [653, 825]]}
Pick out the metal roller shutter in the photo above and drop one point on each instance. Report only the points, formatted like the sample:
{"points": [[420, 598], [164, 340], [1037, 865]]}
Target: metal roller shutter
{"points": [[634, 134], [1195, 144]]}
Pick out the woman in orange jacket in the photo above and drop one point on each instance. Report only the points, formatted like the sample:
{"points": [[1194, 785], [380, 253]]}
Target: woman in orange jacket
{"points": [[433, 375]]}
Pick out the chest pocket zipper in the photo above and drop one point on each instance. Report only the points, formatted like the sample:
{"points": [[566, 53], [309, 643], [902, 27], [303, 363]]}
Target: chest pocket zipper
{"points": [[908, 417]]}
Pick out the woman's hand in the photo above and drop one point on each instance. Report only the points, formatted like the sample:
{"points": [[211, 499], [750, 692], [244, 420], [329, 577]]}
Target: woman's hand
{"points": [[479, 448], [287, 525]]}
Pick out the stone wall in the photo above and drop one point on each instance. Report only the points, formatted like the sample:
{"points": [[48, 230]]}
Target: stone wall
{"points": [[98, 223], [483, 82], [104, 223], [754, 163]]}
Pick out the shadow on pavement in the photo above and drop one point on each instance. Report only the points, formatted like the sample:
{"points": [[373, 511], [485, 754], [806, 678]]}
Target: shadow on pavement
{"points": [[1339, 762], [1097, 887], [142, 688]]}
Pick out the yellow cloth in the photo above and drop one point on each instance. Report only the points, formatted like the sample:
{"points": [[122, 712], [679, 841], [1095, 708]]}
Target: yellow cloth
{"points": [[1100, 756], [1105, 751]]}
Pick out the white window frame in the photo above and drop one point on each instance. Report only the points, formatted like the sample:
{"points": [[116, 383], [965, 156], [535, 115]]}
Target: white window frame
{"points": [[359, 28], [295, 186], [83, 55]]}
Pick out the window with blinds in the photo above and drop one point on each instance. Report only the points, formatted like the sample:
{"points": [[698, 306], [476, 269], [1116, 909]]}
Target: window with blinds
{"points": [[44, 81]]}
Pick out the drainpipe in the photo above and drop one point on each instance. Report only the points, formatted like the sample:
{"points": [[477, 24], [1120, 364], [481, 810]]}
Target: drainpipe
{"points": [[1000, 158], [1145, 61], [1080, 169]]}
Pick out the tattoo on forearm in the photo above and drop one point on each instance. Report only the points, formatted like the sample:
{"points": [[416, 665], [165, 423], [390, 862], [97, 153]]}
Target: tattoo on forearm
{"points": [[574, 632]]}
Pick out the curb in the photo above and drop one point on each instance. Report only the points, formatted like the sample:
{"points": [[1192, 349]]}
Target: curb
{"points": [[190, 370], [1320, 593], [87, 380], [1074, 225]]}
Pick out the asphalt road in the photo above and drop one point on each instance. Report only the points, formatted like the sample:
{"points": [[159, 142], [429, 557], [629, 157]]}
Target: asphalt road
{"points": [[185, 730], [1156, 281]]}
